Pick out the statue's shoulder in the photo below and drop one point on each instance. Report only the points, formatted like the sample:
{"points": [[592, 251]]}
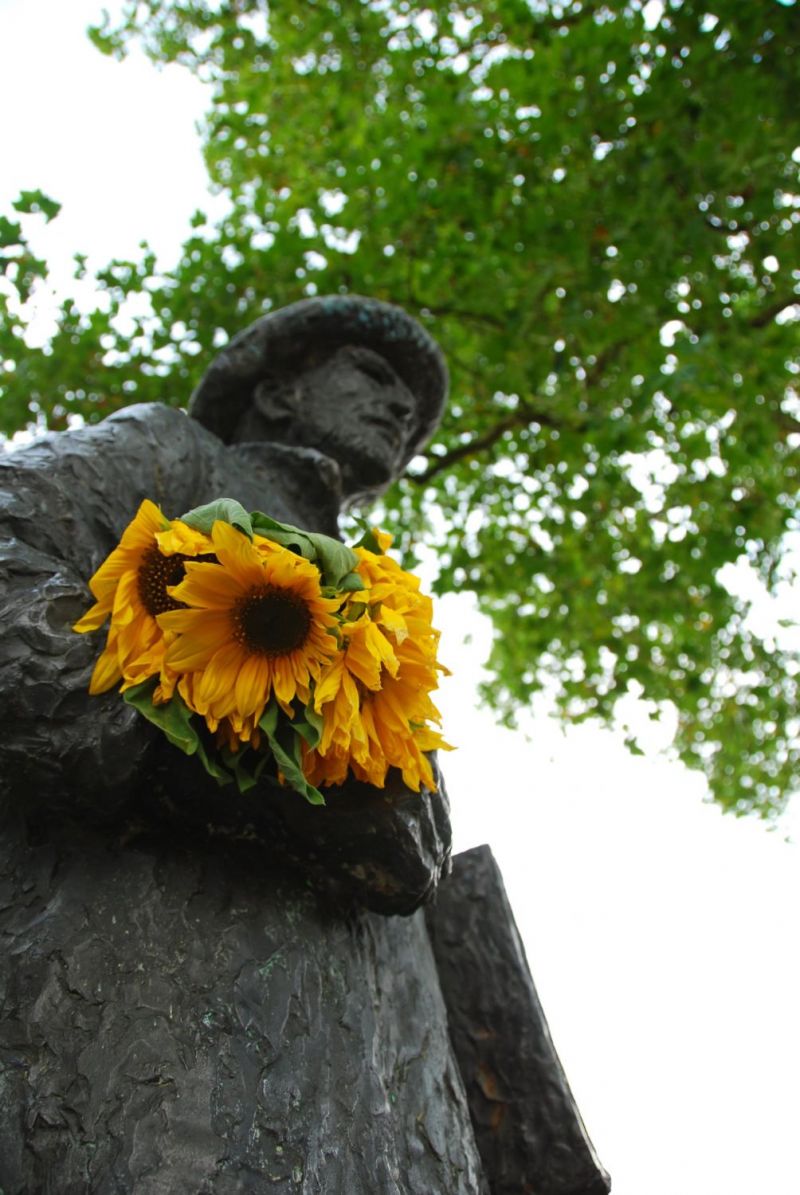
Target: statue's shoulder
{"points": [[148, 450], [151, 420], [150, 430]]}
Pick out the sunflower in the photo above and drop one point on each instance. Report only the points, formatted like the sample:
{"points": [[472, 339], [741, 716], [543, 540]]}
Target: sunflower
{"points": [[374, 696], [255, 624], [130, 588], [367, 731]]}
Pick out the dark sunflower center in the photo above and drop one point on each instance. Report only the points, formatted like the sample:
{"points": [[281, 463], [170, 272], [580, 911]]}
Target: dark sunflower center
{"points": [[272, 621], [156, 572]]}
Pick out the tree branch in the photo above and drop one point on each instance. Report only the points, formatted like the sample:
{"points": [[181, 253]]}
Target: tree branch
{"points": [[523, 416], [727, 228]]}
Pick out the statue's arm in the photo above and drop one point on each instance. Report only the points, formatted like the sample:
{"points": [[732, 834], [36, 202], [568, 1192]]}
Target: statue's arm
{"points": [[64, 503]]}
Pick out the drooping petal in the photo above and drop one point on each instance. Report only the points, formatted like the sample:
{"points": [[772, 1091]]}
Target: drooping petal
{"points": [[216, 684], [106, 671], [251, 687], [282, 680]]}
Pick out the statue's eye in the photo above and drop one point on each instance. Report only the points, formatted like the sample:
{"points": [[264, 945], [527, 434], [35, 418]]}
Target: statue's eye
{"points": [[374, 367]]}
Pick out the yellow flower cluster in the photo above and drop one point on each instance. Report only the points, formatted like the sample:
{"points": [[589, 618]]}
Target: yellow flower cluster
{"points": [[229, 624], [374, 696]]}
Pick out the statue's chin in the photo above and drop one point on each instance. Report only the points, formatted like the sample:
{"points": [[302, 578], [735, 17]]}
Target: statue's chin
{"points": [[364, 470]]}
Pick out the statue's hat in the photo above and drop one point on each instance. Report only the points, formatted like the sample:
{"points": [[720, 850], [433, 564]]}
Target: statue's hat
{"points": [[283, 341]]}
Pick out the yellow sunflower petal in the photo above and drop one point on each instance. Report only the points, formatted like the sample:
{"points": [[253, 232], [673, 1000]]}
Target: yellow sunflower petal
{"points": [[282, 679], [207, 585], [94, 618], [201, 633], [236, 553], [217, 683], [179, 537], [251, 687], [106, 672]]}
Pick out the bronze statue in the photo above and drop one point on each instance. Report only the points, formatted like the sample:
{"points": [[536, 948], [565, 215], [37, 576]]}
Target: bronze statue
{"points": [[203, 991]]}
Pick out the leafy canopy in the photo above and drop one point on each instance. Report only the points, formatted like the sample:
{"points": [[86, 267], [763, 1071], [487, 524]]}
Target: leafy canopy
{"points": [[590, 206]]}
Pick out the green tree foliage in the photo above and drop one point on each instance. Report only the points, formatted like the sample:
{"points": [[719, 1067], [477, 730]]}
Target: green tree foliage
{"points": [[590, 205]]}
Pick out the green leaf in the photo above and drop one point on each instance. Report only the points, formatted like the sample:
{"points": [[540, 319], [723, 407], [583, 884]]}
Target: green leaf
{"points": [[212, 765], [309, 724], [174, 719], [37, 203], [289, 761], [10, 233], [352, 583], [107, 43], [368, 539], [238, 763], [224, 510], [336, 561], [333, 558]]}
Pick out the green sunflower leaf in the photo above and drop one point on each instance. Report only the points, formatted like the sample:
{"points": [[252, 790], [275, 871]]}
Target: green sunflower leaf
{"points": [[308, 723], [368, 539], [174, 719], [333, 558], [238, 763], [352, 583], [284, 534], [225, 510], [215, 769], [289, 761]]}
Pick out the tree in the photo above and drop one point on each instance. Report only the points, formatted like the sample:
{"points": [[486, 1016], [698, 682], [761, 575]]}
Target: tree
{"points": [[590, 205]]}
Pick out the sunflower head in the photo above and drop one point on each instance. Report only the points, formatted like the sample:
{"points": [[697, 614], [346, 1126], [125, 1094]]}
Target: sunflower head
{"points": [[253, 624], [131, 588]]}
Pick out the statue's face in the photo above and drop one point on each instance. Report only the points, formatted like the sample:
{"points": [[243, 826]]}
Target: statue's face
{"points": [[352, 406]]}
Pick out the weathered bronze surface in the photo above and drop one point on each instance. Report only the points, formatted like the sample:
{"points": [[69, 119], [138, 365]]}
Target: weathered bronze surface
{"points": [[204, 992]]}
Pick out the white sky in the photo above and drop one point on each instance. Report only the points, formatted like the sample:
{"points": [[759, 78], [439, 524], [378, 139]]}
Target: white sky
{"points": [[662, 936]]}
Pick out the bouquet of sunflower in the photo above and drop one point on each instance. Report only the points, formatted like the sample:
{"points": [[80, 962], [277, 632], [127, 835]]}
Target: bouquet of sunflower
{"points": [[247, 641]]}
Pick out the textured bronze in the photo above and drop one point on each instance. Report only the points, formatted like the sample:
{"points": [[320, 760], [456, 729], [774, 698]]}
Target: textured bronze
{"points": [[204, 992]]}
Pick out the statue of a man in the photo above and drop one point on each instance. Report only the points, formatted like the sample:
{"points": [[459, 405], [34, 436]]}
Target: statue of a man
{"points": [[315, 406], [188, 1004], [203, 992]]}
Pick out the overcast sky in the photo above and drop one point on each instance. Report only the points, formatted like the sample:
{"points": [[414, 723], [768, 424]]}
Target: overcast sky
{"points": [[662, 936]]}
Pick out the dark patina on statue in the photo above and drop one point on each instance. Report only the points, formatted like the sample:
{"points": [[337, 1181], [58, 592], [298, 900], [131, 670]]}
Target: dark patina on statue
{"points": [[206, 992]]}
